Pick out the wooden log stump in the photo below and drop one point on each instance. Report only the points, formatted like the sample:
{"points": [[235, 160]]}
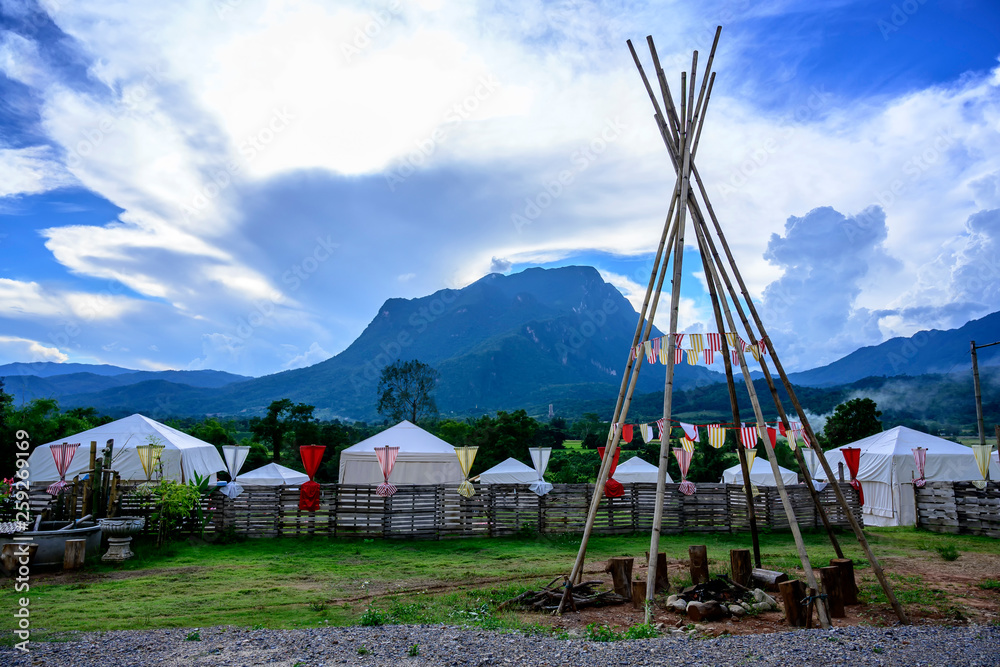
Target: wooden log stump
{"points": [[12, 553], [639, 594], [830, 576], [76, 552], [792, 593], [848, 584], [620, 568], [767, 579], [707, 611], [739, 562], [662, 580], [699, 564]]}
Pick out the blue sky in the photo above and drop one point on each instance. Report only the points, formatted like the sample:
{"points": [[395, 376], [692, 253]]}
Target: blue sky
{"points": [[240, 184]]}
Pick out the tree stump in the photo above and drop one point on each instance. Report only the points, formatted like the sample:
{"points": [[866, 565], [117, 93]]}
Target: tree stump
{"points": [[830, 576], [699, 564], [792, 593], [848, 585], [662, 580], [739, 562], [73, 557], [11, 554], [639, 594], [620, 568], [768, 579]]}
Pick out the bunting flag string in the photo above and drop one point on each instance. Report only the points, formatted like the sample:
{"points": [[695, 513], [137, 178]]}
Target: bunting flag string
{"points": [[714, 342], [655, 350]]}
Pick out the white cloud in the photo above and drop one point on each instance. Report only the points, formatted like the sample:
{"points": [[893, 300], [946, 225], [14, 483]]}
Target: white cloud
{"points": [[30, 170], [313, 355], [29, 300], [15, 347]]}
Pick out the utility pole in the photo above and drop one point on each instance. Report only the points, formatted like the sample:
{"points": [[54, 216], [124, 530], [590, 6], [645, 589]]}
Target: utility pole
{"points": [[979, 396]]}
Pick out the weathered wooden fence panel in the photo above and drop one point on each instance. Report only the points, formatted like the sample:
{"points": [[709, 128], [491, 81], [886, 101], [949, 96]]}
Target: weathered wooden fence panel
{"points": [[438, 511], [959, 507]]}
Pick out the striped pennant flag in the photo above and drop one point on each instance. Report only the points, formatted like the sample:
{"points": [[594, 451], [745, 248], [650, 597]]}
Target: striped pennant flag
{"points": [[687, 444], [709, 356], [678, 340], [678, 356], [663, 355], [731, 338], [790, 435], [647, 432], [631, 354], [716, 435], [656, 349], [697, 343], [748, 436], [690, 431], [763, 347], [649, 352], [755, 351], [661, 426], [736, 357], [714, 342], [692, 357]]}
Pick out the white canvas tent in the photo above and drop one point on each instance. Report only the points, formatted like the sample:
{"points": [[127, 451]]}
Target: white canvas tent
{"points": [[272, 474], [182, 456], [760, 474], [510, 471], [887, 470], [423, 458], [637, 471]]}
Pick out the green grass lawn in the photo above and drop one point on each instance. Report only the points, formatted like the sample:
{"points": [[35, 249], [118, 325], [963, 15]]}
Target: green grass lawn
{"points": [[294, 583]]}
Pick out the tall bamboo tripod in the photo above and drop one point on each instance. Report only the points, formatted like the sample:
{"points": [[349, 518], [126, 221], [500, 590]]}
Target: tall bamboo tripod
{"points": [[680, 128]]}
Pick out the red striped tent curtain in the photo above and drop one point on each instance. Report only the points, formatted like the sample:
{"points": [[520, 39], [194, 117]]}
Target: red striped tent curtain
{"points": [[612, 488], [684, 462], [309, 492], [852, 457], [920, 459], [62, 455], [386, 460]]}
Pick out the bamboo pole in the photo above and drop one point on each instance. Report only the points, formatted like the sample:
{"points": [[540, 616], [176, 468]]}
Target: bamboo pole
{"points": [[807, 428], [675, 294], [675, 160], [715, 283]]}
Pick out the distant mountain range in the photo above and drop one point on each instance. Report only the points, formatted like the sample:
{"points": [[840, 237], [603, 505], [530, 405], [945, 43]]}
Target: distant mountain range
{"points": [[532, 338]]}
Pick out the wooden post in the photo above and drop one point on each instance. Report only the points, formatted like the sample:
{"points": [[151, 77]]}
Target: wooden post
{"points": [[848, 585], [699, 564], [792, 594], [830, 577], [662, 580], [638, 595], [74, 555], [620, 568], [739, 562]]}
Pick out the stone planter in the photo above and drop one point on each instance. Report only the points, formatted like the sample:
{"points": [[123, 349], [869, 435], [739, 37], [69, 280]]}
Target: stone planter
{"points": [[119, 531]]}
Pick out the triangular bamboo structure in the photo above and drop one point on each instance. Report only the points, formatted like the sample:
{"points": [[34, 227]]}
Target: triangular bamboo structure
{"points": [[681, 129]]}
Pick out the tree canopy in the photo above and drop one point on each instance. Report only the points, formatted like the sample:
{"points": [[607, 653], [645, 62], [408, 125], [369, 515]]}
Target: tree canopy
{"points": [[404, 390], [851, 421]]}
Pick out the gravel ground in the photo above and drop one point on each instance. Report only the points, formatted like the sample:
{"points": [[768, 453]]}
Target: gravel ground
{"points": [[441, 645]]}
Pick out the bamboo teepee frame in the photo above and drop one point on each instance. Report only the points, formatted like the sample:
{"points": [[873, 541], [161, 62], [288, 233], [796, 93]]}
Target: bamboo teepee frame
{"points": [[680, 129]]}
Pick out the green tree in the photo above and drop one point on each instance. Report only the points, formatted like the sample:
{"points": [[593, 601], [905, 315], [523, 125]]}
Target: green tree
{"points": [[851, 421], [507, 435], [285, 418], [404, 390]]}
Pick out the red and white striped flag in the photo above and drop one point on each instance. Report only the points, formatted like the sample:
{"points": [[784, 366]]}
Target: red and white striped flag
{"points": [[715, 342], [709, 356], [748, 436]]}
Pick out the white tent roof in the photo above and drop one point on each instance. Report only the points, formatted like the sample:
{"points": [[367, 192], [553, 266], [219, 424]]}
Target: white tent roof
{"points": [[510, 471], [272, 475], [636, 470], [887, 457], [760, 474], [423, 458], [182, 456]]}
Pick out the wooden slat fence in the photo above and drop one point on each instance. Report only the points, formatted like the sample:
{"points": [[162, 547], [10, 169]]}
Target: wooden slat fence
{"points": [[959, 507]]}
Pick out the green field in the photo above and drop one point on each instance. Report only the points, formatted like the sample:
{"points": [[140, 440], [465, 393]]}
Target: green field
{"points": [[296, 583]]}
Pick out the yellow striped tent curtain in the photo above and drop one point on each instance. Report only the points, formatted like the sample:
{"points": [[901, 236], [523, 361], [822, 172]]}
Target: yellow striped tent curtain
{"points": [[149, 456], [466, 455], [982, 454]]}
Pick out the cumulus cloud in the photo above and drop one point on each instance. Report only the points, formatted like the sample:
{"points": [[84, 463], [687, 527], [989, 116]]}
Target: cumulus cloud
{"points": [[499, 265], [825, 257], [23, 349]]}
